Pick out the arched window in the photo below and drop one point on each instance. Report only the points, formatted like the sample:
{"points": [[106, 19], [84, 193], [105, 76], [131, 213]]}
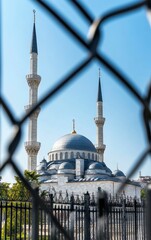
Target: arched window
{"points": [[52, 157], [93, 156], [61, 155], [77, 155], [88, 155], [56, 156], [72, 155], [96, 157], [66, 155], [83, 155]]}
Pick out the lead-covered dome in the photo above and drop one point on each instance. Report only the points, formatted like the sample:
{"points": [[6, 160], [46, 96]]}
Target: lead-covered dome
{"points": [[118, 173], [73, 141], [66, 165], [96, 165]]}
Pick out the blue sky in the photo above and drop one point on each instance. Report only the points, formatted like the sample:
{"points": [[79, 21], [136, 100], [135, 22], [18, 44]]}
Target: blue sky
{"points": [[125, 40]]}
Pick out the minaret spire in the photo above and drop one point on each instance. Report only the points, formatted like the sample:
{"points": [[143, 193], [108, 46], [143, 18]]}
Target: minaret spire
{"points": [[33, 79], [34, 48], [99, 121], [34, 11], [73, 126], [99, 97]]}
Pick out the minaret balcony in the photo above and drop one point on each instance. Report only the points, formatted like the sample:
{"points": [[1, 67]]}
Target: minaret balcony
{"points": [[32, 147], [103, 146], [33, 143], [33, 76], [33, 80], [29, 107], [100, 149], [99, 120]]}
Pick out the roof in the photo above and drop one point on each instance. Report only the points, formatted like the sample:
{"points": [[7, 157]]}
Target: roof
{"points": [[96, 165], [34, 48], [99, 97], [66, 165], [118, 173], [73, 142]]}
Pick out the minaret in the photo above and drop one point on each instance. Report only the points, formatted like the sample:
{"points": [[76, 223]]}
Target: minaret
{"points": [[99, 121], [32, 146]]}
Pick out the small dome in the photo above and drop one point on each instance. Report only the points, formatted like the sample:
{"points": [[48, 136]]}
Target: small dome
{"points": [[96, 165], [43, 160], [53, 166], [103, 164], [108, 170], [118, 173], [73, 142], [42, 165], [66, 165]]}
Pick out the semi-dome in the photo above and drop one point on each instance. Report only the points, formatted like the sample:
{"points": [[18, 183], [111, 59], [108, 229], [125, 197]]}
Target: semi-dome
{"points": [[96, 165], [42, 165], [67, 168], [66, 165], [118, 173], [73, 142]]}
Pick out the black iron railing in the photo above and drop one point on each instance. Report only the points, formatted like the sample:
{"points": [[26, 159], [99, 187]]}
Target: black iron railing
{"points": [[123, 220]]}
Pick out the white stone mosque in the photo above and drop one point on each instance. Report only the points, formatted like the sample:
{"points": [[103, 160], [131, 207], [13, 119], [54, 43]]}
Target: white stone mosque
{"points": [[74, 163]]}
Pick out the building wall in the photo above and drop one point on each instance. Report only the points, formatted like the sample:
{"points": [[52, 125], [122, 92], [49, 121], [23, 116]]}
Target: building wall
{"points": [[92, 187], [61, 155]]}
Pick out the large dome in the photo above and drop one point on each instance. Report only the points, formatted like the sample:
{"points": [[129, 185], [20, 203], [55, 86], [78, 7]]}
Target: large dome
{"points": [[73, 141]]}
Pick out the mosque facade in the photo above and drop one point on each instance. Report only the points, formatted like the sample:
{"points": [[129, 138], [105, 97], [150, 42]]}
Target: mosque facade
{"points": [[74, 163]]}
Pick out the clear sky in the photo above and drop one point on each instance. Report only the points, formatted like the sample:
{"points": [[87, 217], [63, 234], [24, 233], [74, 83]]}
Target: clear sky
{"points": [[125, 40]]}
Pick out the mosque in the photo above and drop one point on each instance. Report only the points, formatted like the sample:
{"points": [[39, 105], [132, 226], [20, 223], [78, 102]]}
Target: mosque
{"points": [[74, 163]]}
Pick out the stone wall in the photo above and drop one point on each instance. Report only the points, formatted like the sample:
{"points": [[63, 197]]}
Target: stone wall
{"points": [[92, 187]]}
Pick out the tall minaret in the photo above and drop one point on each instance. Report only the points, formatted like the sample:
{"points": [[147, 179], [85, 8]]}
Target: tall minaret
{"points": [[32, 146], [99, 121]]}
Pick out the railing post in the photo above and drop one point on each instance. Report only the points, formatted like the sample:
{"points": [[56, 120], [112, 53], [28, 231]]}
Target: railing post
{"points": [[124, 220], [148, 212], [1, 214], [51, 200], [51, 228], [72, 217], [35, 217], [102, 213], [135, 212], [86, 216]]}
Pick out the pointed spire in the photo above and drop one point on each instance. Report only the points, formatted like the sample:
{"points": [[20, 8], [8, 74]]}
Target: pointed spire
{"points": [[34, 48], [99, 98], [34, 11], [73, 130]]}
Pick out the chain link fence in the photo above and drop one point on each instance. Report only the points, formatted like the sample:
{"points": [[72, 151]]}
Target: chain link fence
{"points": [[91, 47]]}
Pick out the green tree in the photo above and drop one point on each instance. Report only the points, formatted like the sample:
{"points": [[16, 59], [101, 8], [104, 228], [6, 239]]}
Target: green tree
{"points": [[143, 193], [13, 227], [18, 191], [4, 191], [18, 214]]}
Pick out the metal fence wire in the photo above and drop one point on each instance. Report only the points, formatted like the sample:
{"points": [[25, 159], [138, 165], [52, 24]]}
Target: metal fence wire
{"points": [[91, 47]]}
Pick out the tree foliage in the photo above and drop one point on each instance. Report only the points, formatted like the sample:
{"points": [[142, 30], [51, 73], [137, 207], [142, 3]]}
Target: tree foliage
{"points": [[4, 190], [18, 213], [19, 191], [143, 193]]}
